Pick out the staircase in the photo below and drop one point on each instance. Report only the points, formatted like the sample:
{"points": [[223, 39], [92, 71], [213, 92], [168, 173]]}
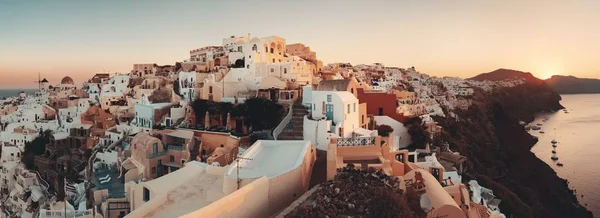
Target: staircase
{"points": [[294, 129]]}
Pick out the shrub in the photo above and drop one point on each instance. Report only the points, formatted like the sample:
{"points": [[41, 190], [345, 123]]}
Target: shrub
{"points": [[384, 130]]}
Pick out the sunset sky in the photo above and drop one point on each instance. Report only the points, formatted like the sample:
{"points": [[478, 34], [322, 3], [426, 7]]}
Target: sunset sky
{"points": [[440, 38]]}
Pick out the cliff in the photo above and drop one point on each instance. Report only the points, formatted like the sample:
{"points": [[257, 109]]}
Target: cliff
{"points": [[573, 85], [498, 150]]}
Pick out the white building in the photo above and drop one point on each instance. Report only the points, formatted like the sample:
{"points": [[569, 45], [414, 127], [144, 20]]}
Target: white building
{"points": [[116, 84], [272, 175], [334, 111], [187, 85]]}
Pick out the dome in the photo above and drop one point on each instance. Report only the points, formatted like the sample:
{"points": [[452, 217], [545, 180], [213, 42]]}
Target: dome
{"points": [[67, 80]]}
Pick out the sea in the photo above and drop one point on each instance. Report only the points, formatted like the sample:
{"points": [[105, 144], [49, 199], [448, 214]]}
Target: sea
{"points": [[5, 93], [578, 148]]}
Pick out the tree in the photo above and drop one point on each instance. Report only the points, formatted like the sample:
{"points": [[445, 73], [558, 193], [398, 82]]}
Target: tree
{"points": [[262, 113], [200, 107], [418, 134], [176, 87], [384, 130], [35, 148]]}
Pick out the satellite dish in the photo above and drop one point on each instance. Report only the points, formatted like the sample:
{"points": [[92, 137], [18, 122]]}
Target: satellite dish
{"points": [[425, 203]]}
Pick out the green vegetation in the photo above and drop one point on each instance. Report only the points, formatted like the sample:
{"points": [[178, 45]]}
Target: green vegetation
{"points": [[35, 148], [258, 113], [418, 133], [384, 130]]}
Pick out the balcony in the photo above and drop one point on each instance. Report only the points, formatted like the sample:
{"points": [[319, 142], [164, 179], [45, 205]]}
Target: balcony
{"points": [[154, 155], [357, 141], [175, 147]]}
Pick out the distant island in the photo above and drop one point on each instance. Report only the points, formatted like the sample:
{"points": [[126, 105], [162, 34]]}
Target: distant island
{"points": [[561, 84], [573, 85]]}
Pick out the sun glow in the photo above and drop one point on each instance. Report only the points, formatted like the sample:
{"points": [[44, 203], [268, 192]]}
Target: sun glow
{"points": [[545, 76]]}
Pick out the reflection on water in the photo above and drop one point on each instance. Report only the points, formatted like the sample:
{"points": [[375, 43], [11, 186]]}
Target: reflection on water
{"points": [[577, 133]]}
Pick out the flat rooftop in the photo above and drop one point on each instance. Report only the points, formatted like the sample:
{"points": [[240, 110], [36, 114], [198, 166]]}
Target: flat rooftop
{"points": [[115, 186], [270, 159], [187, 189]]}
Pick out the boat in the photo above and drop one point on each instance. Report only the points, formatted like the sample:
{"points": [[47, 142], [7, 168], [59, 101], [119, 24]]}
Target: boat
{"points": [[554, 141], [554, 157], [554, 151], [542, 132], [554, 145], [539, 124], [536, 128], [559, 164]]}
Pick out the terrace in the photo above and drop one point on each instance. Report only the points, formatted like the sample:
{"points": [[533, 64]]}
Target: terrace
{"points": [[109, 179]]}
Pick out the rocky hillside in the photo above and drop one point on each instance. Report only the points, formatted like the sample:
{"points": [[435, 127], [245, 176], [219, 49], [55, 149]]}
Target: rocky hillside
{"points": [[573, 85], [505, 74], [498, 148]]}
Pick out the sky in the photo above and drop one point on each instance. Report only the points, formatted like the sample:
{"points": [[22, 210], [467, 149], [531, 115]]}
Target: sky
{"points": [[441, 38]]}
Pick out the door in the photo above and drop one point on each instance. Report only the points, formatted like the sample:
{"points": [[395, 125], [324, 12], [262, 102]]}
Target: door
{"points": [[380, 111], [239, 126], [168, 121], [329, 111], [159, 168], [436, 173]]}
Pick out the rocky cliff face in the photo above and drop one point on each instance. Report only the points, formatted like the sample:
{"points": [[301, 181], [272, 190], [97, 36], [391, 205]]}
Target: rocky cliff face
{"points": [[499, 156]]}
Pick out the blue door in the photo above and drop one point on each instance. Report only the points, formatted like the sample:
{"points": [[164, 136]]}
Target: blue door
{"points": [[168, 122], [329, 111]]}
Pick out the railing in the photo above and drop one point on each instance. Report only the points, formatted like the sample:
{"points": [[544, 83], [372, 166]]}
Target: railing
{"points": [[286, 120], [357, 141], [175, 147], [42, 181], [153, 155]]}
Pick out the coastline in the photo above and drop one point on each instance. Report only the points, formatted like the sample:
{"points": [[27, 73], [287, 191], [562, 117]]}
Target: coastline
{"points": [[499, 151]]}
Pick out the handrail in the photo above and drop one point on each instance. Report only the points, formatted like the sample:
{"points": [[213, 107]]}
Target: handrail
{"points": [[286, 120]]}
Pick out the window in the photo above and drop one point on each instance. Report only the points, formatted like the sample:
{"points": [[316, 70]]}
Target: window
{"points": [[210, 90], [272, 70], [155, 148], [273, 60], [348, 108], [240, 48], [328, 98], [354, 107], [284, 70], [272, 53], [248, 66], [153, 170], [267, 49], [254, 47], [146, 195]]}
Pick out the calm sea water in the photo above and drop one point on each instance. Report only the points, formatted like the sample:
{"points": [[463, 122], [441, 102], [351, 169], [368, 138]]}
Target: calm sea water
{"points": [[578, 134], [5, 93]]}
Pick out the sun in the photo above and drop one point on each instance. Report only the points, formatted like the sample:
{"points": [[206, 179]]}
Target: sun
{"points": [[545, 76]]}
